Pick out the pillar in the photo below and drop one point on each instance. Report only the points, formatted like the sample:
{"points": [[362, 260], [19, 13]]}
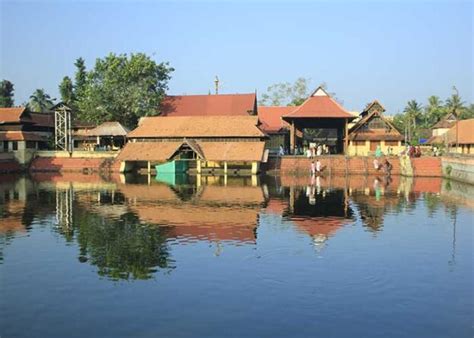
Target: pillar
{"points": [[346, 136], [198, 166], [225, 168], [254, 180], [254, 168], [292, 137], [149, 167]]}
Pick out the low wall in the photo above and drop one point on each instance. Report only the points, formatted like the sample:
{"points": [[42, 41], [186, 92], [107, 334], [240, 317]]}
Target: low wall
{"points": [[358, 165], [333, 164], [61, 164], [76, 154], [459, 168]]}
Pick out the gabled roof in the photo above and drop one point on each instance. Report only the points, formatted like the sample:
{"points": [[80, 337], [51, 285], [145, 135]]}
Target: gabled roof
{"points": [[271, 118], [319, 105], [11, 115], [197, 126], [109, 129], [209, 105], [446, 122], [394, 134], [374, 105]]}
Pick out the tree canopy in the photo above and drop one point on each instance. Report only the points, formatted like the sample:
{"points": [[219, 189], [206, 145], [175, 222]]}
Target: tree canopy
{"points": [[40, 101], [417, 118], [66, 90], [6, 94], [119, 88]]}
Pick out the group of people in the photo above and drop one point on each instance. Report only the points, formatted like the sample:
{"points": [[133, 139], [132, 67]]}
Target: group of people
{"points": [[386, 166], [316, 150]]}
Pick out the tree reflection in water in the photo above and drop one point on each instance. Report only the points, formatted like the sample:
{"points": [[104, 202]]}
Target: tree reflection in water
{"points": [[121, 248]]}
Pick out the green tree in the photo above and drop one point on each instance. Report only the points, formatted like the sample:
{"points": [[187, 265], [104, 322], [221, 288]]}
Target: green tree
{"points": [[434, 111], [286, 93], [468, 113], [66, 89], [414, 114], [455, 104], [80, 76], [6, 94], [40, 101], [123, 89]]}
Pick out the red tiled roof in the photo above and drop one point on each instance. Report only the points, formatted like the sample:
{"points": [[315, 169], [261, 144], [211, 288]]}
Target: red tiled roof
{"points": [[319, 105], [21, 136], [212, 151], [9, 115], [270, 118], [39, 119], [465, 133], [197, 126], [208, 105]]}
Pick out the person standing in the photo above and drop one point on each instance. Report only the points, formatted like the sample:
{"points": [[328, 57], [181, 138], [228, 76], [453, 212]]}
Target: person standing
{"points": [[313, 168], [318, 166]]}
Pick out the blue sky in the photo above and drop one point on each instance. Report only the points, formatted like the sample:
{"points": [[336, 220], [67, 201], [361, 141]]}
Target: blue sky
{"points": [[392, 51]]}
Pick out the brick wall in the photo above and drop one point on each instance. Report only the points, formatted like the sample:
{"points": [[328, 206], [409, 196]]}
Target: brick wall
{"points": [[339, 165], [427, 167], [57, 164]]}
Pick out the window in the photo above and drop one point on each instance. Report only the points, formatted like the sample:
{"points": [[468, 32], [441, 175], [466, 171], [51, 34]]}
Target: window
{"points": [[30, 145], [14, 145], [5, 146]]}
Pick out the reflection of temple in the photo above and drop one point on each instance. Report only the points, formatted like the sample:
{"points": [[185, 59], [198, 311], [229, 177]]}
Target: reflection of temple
{"points": [[212, 212], [317, 211]]}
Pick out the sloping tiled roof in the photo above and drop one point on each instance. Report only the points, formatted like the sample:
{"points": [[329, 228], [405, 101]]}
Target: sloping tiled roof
{"points": [[212, 151], [109, 129], [376, 135], [39, 119], [21, 136], [197, 126], [148, 151], [270, 118], [319, 105], [465, 133], [232, 151], [443, 124], [208, 105], [9, 115]]}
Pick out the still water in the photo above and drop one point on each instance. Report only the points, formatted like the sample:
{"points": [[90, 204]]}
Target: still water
{"points": [[91, 256]]}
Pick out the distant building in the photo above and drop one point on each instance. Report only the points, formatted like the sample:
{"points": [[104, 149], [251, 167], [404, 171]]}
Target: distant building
{"points": [[22, 132], [460, 137], [372, 130], [209, 105], [439, 130]]}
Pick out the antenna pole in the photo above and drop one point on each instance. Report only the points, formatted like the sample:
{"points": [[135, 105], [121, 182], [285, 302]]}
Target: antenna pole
{"points": [[216, 83]]}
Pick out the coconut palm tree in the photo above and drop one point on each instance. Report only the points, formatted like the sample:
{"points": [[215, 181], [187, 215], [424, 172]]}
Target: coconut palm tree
{"points": [[40, 101], [434, 111], [455, 104], [413, 112]]}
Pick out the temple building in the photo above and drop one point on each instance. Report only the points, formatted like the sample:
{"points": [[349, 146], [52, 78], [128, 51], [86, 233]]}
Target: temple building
{"points": [[319, 120], [440, 129], [22, 132], [200, 144], [373, 130]]}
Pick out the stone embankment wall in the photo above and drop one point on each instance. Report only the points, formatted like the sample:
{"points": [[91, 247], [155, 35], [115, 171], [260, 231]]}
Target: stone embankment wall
{"points": [[459, 168]]}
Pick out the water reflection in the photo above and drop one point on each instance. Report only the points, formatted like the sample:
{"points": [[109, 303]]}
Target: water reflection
{"points": [[127, 227]]}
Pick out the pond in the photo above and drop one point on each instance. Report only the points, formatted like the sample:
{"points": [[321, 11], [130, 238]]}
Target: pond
{"points": [[356, 256]]}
